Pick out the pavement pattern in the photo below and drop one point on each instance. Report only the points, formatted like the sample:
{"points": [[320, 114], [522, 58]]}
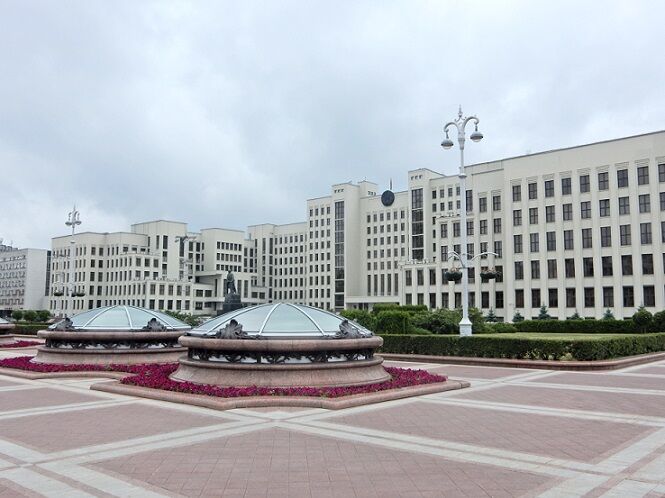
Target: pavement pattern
{"points": [[512, 433]]}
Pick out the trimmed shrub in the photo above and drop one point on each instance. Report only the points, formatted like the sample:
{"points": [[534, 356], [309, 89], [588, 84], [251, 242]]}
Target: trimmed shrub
{"points": [[500, 328], [658, 322], [393, 322], [577, 326], [362, 317], [29, 328], [642, 319], [409, 308], [43, 315], [505, 346], [30, 316], [445, 321], [17, 315]]}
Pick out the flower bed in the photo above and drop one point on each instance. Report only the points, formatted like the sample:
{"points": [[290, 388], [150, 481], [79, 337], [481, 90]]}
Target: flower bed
{"points": [[20, 344], [24, 363], [158, 378]]}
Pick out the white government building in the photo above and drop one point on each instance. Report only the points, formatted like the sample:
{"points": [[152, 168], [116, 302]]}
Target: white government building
{"points": [[24, 278], [579, 229]]}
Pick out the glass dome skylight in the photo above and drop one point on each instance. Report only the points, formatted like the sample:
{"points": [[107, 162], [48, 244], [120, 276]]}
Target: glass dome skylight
{"points": [[278, 320], [122, 317], [4, 322]]}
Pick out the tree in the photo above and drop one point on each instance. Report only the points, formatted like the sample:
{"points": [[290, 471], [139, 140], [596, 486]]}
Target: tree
{"points": [[608, 315], [517, 317], [491, 317], [30, 315], [17, 315], [544, 315], [642, 319], [574, 316]]}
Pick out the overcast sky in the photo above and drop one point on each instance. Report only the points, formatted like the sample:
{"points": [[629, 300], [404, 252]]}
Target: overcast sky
{"points": [[227, 114]]}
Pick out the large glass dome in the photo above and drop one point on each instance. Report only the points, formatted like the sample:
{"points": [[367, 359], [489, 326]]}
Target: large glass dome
{"points": [[122, 317], [279, 320], [4, 322]]}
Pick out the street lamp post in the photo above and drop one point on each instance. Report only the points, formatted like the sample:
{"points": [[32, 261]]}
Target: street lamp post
{"points": [[460, 123], [72, 221]]}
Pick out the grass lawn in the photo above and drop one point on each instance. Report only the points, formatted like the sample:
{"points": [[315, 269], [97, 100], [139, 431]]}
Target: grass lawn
{"points": [[564, 337]]}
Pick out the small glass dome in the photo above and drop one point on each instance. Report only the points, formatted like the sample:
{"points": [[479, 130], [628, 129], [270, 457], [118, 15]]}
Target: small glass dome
{"points": [[4, 322], [122, 317], [278, 320]]}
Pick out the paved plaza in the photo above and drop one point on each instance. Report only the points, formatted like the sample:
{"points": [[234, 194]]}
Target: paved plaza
{"points": [[512, 433]]}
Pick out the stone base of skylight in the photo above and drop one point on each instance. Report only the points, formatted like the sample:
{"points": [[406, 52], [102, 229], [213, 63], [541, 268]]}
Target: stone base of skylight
{"points": [[6, 338], [281, 362], [107, 357]]}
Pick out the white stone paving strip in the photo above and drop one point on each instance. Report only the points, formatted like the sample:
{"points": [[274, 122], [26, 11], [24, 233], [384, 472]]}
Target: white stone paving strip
{"points": [[45, 486], [630, 489], [634, 453], [653, 471], [90, 405], [576, 487], [602, 389]]}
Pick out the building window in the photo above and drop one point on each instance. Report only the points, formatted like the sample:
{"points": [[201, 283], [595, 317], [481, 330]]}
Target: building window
{"points": [[606, 264], [534, 243], [566, 186], [482, 204], [643, 175], [624, 235], [585, 209], [587, 266], [551, 241], [570, 298], [498, 299], [533, 190], [498, 248], [469, 200], [496, 203], [551, 268], [604, 207], [517, 192], [567, 212], [517, 217], [535, 298], [662, 201], [517, 244], [661, 173], [549, 188], [587, 241], [645, 233], [519, 298], [519, 270], [624, 205], [549, 214], [662, 231], [628, 296], [608, 297], [649, 294], [589, 300], [647, 264], [585, 184], [622, 178], [626, 265], [482, 227], [603, 181], [553, 295], [407, 278], [644, 203], [568, 240], [497, 225], [569, 265], [605, 236], [533, 216]]}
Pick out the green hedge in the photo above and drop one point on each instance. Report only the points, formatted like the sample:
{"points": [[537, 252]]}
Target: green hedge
{"points": [[504, 346], [362, 317], [29, 328], [409, 308], [578, 326]]}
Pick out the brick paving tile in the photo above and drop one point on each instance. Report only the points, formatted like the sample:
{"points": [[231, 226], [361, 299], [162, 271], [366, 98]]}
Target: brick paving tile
{"points": [[556, 437], [634, 404], [604, 379], [464, 371], [277, 462], [97, 426], [9, 489], [650, 369], [41, 397]]}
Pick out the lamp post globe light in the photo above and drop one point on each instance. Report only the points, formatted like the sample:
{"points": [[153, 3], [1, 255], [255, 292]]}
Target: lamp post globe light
{"points": [[460, 124], [73, 220]]}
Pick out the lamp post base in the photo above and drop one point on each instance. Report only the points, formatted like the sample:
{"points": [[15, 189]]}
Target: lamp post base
{"points": [[465, 328]]}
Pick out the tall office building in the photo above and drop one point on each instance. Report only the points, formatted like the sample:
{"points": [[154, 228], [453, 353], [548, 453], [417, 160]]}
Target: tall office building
{"points": [[24, 278]]}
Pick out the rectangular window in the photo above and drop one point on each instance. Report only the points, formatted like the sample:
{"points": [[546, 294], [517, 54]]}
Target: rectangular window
{"points": [[643, 175], [517, 244], [519, 298], [498, 248], [649, 294], [585, 184], [482, 204], [622, 178], [587, 241], [626, 265], [517, 217], [606, 263], [645, 233], [647, 264], [628, 296], [533, 190], [624, 235], [604, 207], [535, 269], [553, 295], [569, 265], [570, 298], [497, 225], [534, 243], [589, 298], [551, 268], [603, 181], [519, 270], [587, 266], [567, 212], [605, 236], [661, 173], [533, 216], [568, 240], [662, 231], [549, 188], [482, 227], [551, 241], [608, 297], [624, 205], [517, 192], [566, 186], [496, 203], [469, 200], [585, 209], [662, 201], [535, 298], [645, 203], [549, 214]]}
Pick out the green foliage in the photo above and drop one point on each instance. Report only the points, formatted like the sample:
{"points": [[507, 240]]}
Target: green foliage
{"points": [[544, 315], [17, 315], [445, 321], [658, 322], [393, 322], [409, 308], [504, 346], [577, 326], [574, 316], [43, 315], [517, 317], [29, 315], [362, 317], [491, 317], [500, 328], [29, 328], [642, 319], [608, 315], [189, 319]]}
